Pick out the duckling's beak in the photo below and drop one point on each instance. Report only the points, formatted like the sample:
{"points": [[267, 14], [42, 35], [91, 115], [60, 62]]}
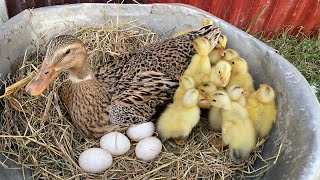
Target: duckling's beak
{"points": [[222, 51], [42, 80], [223, 82], [204, 101]]}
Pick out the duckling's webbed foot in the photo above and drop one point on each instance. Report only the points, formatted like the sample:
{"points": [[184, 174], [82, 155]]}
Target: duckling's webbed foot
{"points": [[138, 103]]}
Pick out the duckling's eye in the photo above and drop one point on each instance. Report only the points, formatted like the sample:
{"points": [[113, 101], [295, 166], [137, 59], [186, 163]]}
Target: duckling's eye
{"points": [[202, 90], [242, 92], [214, 100], [68, 51], [219, 72], [232, 62]]}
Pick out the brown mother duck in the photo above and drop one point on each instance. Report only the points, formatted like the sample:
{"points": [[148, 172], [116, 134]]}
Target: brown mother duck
{"points": [[119, 93]]}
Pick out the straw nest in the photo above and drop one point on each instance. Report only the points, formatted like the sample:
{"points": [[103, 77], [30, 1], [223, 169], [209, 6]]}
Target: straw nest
{"points": [[36, 132]]}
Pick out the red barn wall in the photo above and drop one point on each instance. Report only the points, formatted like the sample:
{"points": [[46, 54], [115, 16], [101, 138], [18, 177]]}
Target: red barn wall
{"points": [[272, 15]]}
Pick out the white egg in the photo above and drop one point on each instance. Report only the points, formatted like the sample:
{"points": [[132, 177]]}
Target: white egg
{"points": [[148, 149], [95, 160], [116, 143], [140, 131]]}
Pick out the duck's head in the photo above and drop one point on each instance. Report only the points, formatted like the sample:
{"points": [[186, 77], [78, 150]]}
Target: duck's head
{"points": [[235, 92], [239, 65], [64, 52], [219, 99], [265, 93], [222, 43], [202, 46], [230, 54], [223, 70], [206, 88], [190, 98]]}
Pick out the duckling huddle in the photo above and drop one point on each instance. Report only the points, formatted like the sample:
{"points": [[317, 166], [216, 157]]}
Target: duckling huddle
{"points": [[219, 80]]}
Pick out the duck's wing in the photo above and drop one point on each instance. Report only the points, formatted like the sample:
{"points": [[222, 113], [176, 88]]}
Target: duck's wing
{"points": [[110, 72], [138, 103]]}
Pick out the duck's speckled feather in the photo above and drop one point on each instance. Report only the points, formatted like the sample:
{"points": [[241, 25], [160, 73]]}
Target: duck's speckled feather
{"points": [[88, 106]]}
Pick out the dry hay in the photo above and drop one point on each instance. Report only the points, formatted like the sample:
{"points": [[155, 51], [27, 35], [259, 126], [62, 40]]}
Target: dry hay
{"points": [[37, 133]]}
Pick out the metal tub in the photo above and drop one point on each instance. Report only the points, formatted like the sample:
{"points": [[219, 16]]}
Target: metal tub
{"points": [[298, 123]]}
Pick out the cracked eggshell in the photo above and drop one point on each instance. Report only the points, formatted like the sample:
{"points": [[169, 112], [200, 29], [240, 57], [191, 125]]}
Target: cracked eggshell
{"points": [[95, 160], [140, 131], [148, 149], [116, 143]]}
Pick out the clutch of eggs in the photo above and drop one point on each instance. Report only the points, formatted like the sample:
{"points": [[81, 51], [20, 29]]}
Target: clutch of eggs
{"points": [[96, 160]]}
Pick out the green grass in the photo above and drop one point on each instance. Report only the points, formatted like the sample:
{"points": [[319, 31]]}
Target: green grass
{"points": [[303, 52]]}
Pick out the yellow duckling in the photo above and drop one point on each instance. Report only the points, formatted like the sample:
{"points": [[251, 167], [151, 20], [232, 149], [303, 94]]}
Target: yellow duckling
{"points": [[230, 54], [235, 93], [180, 117], [199, 68], [205, 89], [185, 82], [220, 74], [262, 109], [237, 129], [241, 76], [218, 52]]}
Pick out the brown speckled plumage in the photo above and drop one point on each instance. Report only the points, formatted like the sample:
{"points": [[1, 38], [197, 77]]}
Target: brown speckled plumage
{"points": [[88, 104], [170, 57], [125, 91]]}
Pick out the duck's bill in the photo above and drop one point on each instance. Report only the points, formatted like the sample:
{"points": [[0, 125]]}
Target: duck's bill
{"points": [[223, 82], [41, 81], [222, 51], [204, 101]]}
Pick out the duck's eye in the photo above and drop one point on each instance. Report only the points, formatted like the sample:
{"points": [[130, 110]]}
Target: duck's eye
{"points": [[232, 62], [68, 51], [214, 100], [242, 92], [219, 72]]}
